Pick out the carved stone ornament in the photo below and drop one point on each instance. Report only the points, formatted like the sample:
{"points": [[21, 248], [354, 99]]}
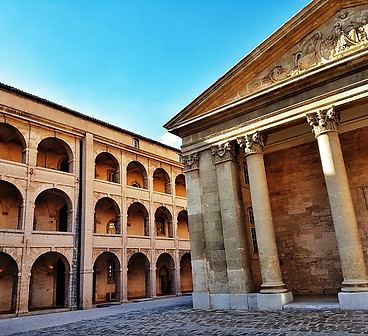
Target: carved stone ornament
{"points": [[326, 120], [252, 143], [191, 162], [344, 33], [224, 152]]}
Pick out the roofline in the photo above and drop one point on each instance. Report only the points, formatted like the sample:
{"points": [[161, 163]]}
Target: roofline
{"points": [[46, 102], [258, 50]]}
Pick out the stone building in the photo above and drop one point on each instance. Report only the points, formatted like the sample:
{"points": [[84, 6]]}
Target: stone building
{"points": [[89, 212], [276, 155]]}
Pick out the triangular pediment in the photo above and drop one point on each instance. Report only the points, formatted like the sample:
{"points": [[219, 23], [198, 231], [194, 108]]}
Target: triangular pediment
{"points": [[325, 30]]}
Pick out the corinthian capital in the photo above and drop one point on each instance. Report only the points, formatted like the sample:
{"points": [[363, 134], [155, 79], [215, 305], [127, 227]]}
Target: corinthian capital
{"points": [[324, 120], [191, 162], [224, 152], [252, 143]]}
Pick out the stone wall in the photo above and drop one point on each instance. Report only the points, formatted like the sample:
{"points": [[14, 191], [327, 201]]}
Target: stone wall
{"points": [[303, 224]]}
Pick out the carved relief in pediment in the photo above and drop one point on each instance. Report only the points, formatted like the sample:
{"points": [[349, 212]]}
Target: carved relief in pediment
{"points": [[344, 33]]}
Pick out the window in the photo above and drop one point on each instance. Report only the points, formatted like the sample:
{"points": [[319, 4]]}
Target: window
{"points": [[246, 175], [135, 143], [181, 158], [160, 226], [136, 185], [253, 230], [111, 228], [110, 271], [111, 175]]}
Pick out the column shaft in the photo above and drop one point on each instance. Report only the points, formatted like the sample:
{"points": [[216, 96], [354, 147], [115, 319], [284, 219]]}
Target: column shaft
{"points": [[342, 209]]}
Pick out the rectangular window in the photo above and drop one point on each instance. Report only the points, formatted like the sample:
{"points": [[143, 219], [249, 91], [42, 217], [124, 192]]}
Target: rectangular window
{"points": [[253, 230], [111, 175], [246, 175]]}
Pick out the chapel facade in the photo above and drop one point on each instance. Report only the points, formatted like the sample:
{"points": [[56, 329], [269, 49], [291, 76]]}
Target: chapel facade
{"points": [[276, 155], [89, 213]]}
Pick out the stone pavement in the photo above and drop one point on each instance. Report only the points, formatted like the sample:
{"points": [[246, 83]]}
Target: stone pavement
{"points": [[174, 316]]}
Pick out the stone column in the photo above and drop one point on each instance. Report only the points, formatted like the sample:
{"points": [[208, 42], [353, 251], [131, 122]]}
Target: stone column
{"points": [[196, 233], [268, 256], [325, 124], [233, 225]]}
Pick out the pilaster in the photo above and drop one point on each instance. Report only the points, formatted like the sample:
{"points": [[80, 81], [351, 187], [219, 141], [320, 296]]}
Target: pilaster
{"points": [[196, 230], [233, 226]]}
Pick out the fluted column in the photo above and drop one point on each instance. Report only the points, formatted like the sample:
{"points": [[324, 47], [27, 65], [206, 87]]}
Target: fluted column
{"points": [[325, 126], [268, 257], [233, 226]]}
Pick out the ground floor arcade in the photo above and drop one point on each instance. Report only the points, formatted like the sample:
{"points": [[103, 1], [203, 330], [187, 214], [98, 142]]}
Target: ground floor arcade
{"points": [[50, 282]]}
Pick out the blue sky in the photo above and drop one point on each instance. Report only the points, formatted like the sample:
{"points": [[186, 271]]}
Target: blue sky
{"points": [[131, 63]]}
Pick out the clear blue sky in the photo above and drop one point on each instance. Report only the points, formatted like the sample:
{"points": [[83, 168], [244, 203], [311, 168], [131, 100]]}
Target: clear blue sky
{"points": [[131, 63]]}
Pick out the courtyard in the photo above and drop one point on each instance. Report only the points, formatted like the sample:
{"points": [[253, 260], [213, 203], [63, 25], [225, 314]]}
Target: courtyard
{"points": [[175, 316]]}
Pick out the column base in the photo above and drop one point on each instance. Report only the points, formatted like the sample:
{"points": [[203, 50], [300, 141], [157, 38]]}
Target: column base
{"points": [[201, 300], [273, 301], [353, 301], [220, 301]]}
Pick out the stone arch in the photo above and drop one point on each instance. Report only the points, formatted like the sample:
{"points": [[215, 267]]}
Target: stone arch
{"points": [[161, 181], [180, 189], [163, 221], [138, 220], [12, 144], [53, 211], [138, 276], [107, 216], [182, 225], [8, 283], [186, 280], [54, 153], [107, 167], [137, 175], [165, 275], [106, 278], [49, 284], [11, 206]]}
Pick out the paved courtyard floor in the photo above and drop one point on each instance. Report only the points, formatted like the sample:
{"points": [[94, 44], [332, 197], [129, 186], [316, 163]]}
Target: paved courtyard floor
{"points": [[175, 316]]}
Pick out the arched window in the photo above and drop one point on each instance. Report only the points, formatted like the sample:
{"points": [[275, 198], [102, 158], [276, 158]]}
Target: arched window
{"points": [[54, 153]]}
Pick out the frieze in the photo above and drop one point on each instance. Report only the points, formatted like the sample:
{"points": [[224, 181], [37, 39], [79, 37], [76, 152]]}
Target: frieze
{"points": [[252, 143], [191, 162], [344, 33], [224, 152], [324, 120]]}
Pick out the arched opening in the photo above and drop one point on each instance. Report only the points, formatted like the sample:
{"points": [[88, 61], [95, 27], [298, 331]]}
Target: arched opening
{"points": [[54, 153], [137, 175], [165, 275], [163, 221], [138, 276], [161, 181], [8, 283], [186, 281], [183, 228], [52, 211], [107, 168], [12, 144], [107, 216], [49, 282], [138, 220], [10, 207], [106, 278], [180, 189]]}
